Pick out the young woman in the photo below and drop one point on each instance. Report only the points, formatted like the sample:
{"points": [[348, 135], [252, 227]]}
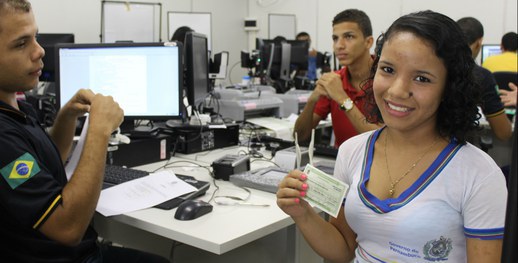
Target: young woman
{"points": [[418, 191]]}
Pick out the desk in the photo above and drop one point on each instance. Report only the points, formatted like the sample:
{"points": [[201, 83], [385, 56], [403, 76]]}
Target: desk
{"points": [[224, 229]]}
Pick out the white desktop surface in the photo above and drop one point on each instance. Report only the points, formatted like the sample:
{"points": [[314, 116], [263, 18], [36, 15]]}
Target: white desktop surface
{"points": [[222, 230]]}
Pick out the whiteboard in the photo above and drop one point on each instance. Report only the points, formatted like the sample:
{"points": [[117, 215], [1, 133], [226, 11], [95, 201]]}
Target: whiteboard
{"points": [[199, 22], [282, 25], [130, 21]]}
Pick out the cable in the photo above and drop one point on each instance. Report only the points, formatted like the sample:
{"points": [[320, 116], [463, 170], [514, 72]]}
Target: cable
{"points": [[230, 72], [208, 168]]}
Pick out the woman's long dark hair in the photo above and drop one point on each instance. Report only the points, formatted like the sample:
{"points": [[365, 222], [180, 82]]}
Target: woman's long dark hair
{"points": [[457, 113]]}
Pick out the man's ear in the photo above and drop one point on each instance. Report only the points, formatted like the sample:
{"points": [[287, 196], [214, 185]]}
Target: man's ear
{"points": [[369, 41], [476, 47]]}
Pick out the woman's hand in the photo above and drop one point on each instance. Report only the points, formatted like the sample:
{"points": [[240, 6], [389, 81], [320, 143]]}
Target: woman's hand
{"points": [[289, 196]]}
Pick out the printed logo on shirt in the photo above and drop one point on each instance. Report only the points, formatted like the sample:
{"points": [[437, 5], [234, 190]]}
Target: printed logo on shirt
{"points": [[20, 170], [437, 250]]}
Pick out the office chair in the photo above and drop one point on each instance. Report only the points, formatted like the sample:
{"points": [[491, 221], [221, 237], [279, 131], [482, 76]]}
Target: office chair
{"points": [[504, 77]]}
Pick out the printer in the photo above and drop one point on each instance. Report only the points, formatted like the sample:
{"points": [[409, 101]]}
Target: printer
{"points": [[243, 102], [293, 101]]}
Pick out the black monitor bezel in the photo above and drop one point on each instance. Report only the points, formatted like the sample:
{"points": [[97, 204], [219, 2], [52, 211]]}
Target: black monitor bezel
{"points": [[299, 52], [191, 90], [128, 44], [48, 41]]}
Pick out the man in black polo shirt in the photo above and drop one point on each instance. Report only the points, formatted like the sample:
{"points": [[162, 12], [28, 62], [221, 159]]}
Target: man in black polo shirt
{"points": [[44, 218], [492, 106]]}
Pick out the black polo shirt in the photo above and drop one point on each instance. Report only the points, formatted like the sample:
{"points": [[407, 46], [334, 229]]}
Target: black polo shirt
{"points": [[32, 180], [491, 103]]}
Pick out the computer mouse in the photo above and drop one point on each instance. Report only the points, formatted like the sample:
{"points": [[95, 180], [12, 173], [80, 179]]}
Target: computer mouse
{"points": [[192, 209]]}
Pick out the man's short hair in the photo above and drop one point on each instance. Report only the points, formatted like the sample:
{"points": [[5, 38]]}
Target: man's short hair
{"points": [[471, 28], [357, 16], [13, 5], [509, 41], [302, 34], [21, 5]]}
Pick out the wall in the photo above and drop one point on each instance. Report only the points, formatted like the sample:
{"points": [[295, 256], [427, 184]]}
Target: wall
{"points": [[83, 18], [313, 16]]}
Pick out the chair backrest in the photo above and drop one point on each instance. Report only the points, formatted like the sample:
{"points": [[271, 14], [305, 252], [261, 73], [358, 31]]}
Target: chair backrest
{"points": [[504, 77]]}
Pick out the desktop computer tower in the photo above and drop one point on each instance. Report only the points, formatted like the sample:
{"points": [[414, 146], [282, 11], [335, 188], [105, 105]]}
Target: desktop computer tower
{"points": [[193, 138], [140, 151]]}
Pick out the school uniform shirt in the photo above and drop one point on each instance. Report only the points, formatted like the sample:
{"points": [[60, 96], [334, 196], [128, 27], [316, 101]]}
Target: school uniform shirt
{"points": [[32, 180], [461, 195]]}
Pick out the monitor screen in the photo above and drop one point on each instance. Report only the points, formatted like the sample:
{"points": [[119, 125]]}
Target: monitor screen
{"points": [[144, 78], [197, 82], [48, 43], [489, 50]]}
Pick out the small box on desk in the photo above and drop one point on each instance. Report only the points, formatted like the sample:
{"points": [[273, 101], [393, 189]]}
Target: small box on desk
{"points": [[140, 151], [230, 164]]}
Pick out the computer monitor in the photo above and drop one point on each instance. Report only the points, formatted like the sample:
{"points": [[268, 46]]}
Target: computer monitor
{"points": [[218, 66], [48, 43], [144, 78], [299, 54], [274, 62], [296, 59], [489, 50], [197, 82]]}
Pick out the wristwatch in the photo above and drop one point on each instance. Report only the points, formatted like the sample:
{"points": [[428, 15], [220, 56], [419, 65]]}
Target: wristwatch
{"points": [[347, 105]]}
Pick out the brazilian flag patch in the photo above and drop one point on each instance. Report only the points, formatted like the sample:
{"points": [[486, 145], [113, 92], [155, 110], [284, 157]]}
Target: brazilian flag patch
{"points": [[20, 170]]}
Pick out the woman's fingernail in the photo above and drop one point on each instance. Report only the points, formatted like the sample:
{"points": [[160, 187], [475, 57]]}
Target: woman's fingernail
{"points": [[302, 193], [304, 186], [297, 200], [303, 176]]}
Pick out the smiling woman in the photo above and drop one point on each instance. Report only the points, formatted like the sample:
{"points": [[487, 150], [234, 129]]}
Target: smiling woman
{"points": [[457, 113], [417, 169]]}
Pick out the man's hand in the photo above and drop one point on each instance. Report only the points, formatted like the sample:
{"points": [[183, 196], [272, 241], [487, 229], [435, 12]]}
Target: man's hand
{"points": [[105, 113], [509, 97], [332, 83], [317, 92], [312, 53], [78, 105]]}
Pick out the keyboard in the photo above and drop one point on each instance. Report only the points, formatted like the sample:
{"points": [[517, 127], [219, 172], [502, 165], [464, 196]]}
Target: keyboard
{"points": [[273, 142], [325, 150], [268, 179], [265, 179], [114, 174], [320, 149]]}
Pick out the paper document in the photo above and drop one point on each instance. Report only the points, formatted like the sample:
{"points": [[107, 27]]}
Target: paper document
{"points": [[324, 191], [141, 193], [76, 154]]}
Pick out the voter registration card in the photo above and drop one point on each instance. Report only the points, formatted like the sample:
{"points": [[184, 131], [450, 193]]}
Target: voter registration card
{"points": [[324, 191]]}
